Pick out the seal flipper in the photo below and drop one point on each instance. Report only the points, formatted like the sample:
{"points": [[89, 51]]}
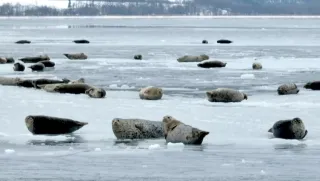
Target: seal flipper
{"points": [[270, 130], [306, 132]]}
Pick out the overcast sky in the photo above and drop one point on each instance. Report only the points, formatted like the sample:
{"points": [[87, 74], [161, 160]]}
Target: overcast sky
{"points": [[58, 4]]}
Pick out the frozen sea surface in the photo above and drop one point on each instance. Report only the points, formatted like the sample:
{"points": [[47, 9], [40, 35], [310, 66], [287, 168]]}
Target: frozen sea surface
{"points": [[238, 146]]}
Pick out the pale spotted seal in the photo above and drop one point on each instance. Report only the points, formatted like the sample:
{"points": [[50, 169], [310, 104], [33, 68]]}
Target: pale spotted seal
{"points": [[137, 57], [81, 41], [9, 81], [23, 42], [225, 95], [96, 92], [37, 67], [137, 128], [48, 125], [80, 88], [256, 66], [211, 64], [76, 56], [35, 59], [192, 58], [289, 129], [150, 93], [81, 80], [18, 67], [47, 63], [223, 41], [3, 60], [177, 132], [312, 85], [290, 88]]}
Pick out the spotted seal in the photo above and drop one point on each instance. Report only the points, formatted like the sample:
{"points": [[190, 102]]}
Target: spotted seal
{"points": [[49, 125], [312, 85], [47, 63], [137, 57], [211, 64], [150, 93], [35, 83], [289, 129], [76, 56], [80, 88], [192, 58], [37, 67], [256, 66], [177, 132], [3, 60], [9, 81], [137, 128], [290, 88], [225, 95], [23, 42], [10, 59], [19, 67], [35, 59], [224, 41], [81, 41], [204, 41]]}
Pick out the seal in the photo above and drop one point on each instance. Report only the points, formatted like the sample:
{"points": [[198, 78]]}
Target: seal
{"points": [[256, 66], [137, 128], [81, 41], [204, 41], [37, 67], [51, 87], [96, 92], [224, 41], [47, 63], [312, 85], [48, 125], [18, 67], [36, 83], [23, 42], [289, 129], [9, 81], [10, 60], [225, 95], [34, 59], [191, 58], [290, 88], [177, 132], [211, 64], [81, 80], [80, 88], [150, 93], [137, 57], [3, 60], [76, 56]]}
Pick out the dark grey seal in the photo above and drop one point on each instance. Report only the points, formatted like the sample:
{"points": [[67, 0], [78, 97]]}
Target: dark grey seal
{"points": [[10, 59], [76, 56], [36, 83], [47, 63], [80, 88], [211, 64], [256, 66], [223, 41], [225, 95], [48, 125], [37, 67], [192, 58], [290, 88], [177, 132], [204, 42], [23, 42], [289, 129], [137, 128], [34, 59], [312, 85], [19, 67], [81, 41], [137, 57]]}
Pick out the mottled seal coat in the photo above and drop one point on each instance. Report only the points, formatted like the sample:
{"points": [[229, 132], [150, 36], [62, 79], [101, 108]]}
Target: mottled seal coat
{"points": [[10, 60], [76, 56], [18, 67], [204, 41], [312, 85], [289, 129], [150, 93], [35, 83], [48, 125], [137, 128], [223, 41], [23, 42], [191, 58], [225, 95], [9, 81], [290, 88], [138, 57], [81, 80], [3, 60], [34, 59], [80, 88], [81, 41], [51, 87], [177, 132], [47, 63], [96, 92], [211, 64], [256, 66], [37, 67]]}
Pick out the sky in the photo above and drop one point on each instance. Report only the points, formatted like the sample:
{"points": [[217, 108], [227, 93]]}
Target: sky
{"points": [[58, 3]]}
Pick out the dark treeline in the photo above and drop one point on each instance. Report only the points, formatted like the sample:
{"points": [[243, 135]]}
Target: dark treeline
{"points": [[196, 7]]}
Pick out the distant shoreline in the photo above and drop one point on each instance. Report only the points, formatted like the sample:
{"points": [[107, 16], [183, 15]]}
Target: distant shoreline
{"points": [[168, 16]]}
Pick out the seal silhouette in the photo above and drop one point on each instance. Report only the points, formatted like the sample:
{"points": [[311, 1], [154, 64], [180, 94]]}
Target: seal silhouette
{"points": [[192, 58], [137, 128], [177, 132], [224, 41], [204, 41], [18, 67], [81, 41], [23, 42], [35, 59], [37, 67], [256, 66], [80, 88], [211, 64], [76, 56], [10, 59], [47, 63], [150, 93], [290, 88], [225, 95], [49, 125], [312, 85], [289, 129], [36, 83], [137, 57]]}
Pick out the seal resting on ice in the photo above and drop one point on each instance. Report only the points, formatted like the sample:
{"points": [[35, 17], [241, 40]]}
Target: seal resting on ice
{"points": [[80, 88], [137, 128], [50, 87], [10, 60], [137, 57], [9, 81], [177, 132], [81, 41], [204, 41], [256, 66], [192, 58], [225, 95], [211, 64], [289, 129], [48, 125], [3, 60], [312, 85], [290, 88], [150, 93], [37, 67], [224, 41], [35, 83], [47, 63], [76, 56], [35, 59], [23, 42], [18, 67]]}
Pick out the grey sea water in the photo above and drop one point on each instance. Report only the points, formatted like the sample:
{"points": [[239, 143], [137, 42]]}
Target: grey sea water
{"points": [[238, 146]]}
